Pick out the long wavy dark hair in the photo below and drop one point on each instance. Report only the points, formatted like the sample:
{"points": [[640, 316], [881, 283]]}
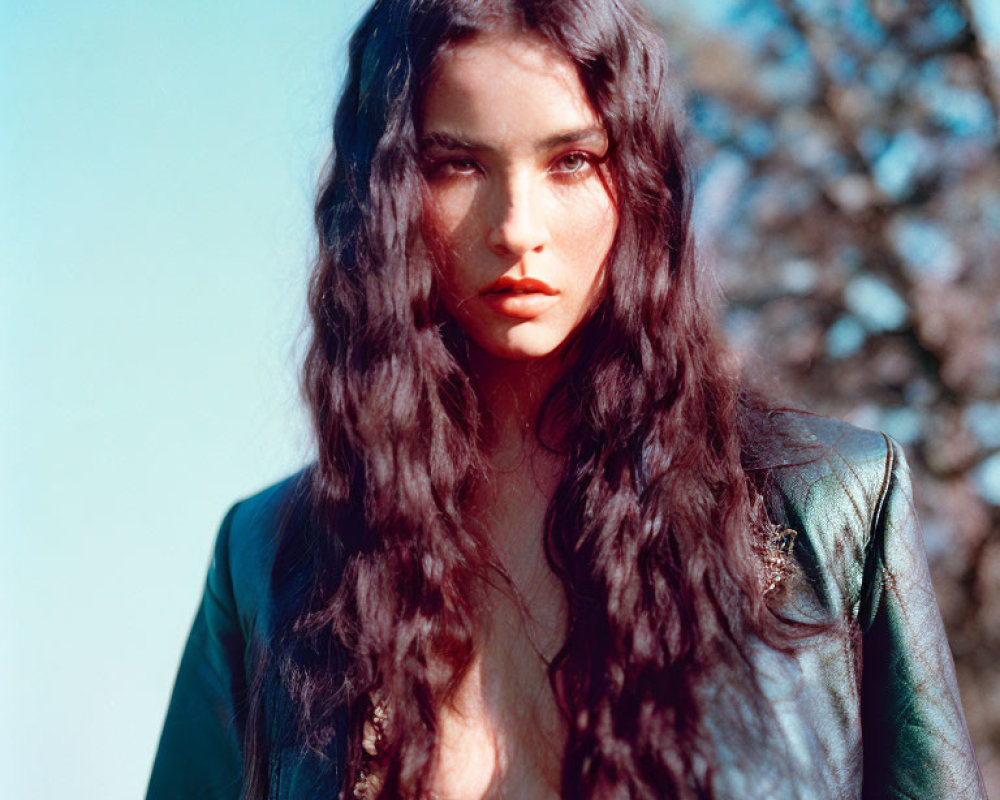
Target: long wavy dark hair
{"points": [[657, 530]]}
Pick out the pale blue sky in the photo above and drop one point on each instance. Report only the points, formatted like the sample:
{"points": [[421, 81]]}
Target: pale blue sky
{"points": [[157, 170]]}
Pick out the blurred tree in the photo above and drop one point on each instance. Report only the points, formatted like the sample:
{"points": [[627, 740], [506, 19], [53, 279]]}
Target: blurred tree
{"points": [[849, 194]]}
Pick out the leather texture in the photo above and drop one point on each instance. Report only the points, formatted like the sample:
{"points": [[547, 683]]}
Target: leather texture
{"points": [[867, 707]]}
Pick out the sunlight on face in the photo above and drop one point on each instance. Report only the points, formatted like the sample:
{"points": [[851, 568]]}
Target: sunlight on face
{"points": [[520, 216]]}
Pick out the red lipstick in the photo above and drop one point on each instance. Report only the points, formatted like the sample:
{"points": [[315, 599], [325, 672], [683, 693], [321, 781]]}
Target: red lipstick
{"points": [[520, 298], [518, 285]]}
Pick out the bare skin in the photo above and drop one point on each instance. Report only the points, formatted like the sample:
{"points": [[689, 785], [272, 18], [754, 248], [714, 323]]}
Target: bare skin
{"points": [[513, 155], [503, 735]]}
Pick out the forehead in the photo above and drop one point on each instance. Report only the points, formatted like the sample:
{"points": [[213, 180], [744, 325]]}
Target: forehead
{"points": [[505, 84]]}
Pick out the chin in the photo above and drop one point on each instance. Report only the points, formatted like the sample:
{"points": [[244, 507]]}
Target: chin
{"points": [[520, 348]]}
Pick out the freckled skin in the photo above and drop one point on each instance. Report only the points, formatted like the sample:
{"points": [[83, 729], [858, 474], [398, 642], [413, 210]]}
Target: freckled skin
{"points": [[526, 199], [514, 158]]}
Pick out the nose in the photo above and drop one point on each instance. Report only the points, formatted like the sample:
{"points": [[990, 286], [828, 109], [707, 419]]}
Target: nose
{"points": [[517, 225]]}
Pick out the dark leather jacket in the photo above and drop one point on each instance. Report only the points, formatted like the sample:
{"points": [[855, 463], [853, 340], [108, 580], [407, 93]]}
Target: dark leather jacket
{"points": [[867, 709]]}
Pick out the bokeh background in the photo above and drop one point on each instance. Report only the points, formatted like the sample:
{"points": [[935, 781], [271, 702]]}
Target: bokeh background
{"points": [[849, 194], [157, 168]]}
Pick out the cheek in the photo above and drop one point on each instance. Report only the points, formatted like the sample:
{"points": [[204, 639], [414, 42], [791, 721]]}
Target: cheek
{"points": [[449, 227], [587, 228], [448, 234], [592, 236]]}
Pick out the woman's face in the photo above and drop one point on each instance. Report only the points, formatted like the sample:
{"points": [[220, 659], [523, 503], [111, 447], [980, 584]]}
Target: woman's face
{"points": [[520, 213]]}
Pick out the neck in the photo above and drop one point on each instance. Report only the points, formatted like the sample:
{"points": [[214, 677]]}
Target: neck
{"points": [[510, 504], [522, 473], [511, 394]]}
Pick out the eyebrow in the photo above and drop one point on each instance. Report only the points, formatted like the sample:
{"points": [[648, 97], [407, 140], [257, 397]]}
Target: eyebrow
{"points": [[447, 141]]}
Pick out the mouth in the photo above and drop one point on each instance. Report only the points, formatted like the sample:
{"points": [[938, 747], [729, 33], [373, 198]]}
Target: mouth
{"points": [[524, 298], [506, 285]]}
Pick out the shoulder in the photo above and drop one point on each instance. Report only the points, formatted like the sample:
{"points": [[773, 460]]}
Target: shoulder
{"points": [[829, 481], [818, 459], [254, 536]]}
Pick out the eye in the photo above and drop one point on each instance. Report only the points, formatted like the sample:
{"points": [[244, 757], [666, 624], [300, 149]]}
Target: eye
{"points": [[574, 163], [446, 167], [462, 166]]}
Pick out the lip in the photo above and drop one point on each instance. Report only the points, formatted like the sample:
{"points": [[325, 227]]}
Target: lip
{"points": [[505, 283], [519, 298]]}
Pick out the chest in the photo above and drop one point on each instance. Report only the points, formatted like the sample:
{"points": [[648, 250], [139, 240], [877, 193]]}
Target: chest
{"points": [[502, 736]]}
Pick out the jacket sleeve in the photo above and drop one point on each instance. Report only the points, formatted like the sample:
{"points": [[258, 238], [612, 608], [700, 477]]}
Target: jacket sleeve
{"points": [[916, 743], [199, 754]]}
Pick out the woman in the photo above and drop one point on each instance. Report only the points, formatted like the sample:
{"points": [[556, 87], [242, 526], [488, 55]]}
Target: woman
{"points": [[550, 546]]}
